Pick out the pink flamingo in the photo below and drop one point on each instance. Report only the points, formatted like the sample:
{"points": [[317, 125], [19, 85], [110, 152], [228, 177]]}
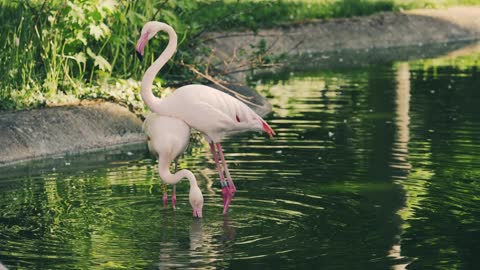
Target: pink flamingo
{"points": [[167, 138], [212, 112]]}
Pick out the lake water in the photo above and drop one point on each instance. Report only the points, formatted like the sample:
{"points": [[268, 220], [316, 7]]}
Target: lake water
{"points": [[374, 167]]}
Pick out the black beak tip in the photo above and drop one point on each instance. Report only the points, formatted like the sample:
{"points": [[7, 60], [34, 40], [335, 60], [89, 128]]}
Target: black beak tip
{"points": [[139, 55]]}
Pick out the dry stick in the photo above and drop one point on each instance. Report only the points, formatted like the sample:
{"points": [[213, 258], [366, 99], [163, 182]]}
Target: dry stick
{"points": [[218, 83], [250, 64]]}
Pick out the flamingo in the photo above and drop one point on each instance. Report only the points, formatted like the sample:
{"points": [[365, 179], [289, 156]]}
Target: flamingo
{"points": [[168, 137], [210, 111]]}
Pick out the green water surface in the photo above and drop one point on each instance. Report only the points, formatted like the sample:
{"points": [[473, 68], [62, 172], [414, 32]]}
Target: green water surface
{"points": [[373, 167]]}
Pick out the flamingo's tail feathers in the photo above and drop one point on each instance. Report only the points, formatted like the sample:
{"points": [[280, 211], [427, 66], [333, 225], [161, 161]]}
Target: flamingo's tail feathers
{"points": [[268, 129]]}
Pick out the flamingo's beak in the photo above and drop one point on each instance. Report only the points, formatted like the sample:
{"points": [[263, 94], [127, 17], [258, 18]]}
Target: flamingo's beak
{"points": [[140, 48], [197, 212]]}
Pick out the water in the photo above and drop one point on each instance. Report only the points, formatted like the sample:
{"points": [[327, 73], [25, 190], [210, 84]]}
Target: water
{"points": [[374, 167]]}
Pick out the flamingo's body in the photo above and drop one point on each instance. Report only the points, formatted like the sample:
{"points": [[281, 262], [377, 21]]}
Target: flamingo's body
{"points": [[212, 112], [168, 139]]}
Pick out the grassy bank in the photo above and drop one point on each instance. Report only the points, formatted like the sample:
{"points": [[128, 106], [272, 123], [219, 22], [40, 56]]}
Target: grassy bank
{"points": [[61, 51]]}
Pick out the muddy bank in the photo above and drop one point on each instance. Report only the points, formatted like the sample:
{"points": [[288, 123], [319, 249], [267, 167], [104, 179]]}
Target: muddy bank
{"points": [[379, 31], [69, 129], [64, 130]]}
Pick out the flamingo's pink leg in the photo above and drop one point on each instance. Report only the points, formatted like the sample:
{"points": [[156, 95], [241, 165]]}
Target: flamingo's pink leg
{"points": [[231, 188], [227, 172], [165, 196], [220, 173], [174, 193], [174, 197]]}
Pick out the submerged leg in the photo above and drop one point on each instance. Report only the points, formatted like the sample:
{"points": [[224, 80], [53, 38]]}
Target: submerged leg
{"points": [[220, 173], [231, 186], [174, 193], [165, 196], [174, 197]]}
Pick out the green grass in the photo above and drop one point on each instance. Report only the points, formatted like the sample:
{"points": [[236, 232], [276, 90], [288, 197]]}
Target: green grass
{"points": [[60, 51]]}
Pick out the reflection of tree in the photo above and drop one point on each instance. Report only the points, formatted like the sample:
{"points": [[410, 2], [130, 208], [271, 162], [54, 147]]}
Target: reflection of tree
{"points": [[442, 191], [339, 131], [399, 162]]}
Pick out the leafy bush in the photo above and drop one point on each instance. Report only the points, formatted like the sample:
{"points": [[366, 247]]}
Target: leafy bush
{"points": [[57, 51]]}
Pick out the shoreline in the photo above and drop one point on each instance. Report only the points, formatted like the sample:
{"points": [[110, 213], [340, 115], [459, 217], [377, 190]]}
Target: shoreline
{"points": [[375, 32]]}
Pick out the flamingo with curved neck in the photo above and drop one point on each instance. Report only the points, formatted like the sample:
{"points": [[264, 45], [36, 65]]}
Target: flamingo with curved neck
{"points": [[168, 138], [212, 112], [149, 31]]}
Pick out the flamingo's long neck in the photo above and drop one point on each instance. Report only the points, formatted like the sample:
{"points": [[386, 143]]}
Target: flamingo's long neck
{"points": [[152, 101], [169, 178]]}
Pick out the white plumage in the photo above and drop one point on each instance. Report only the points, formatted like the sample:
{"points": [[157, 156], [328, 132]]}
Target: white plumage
{"points": [[168, 138]]}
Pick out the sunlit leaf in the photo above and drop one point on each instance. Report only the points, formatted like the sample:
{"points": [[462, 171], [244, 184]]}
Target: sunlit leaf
{"points": [[108, 5], [102, 63], [105, 29], [96, 31], [80, 57], [80, 37], [76, 13]]}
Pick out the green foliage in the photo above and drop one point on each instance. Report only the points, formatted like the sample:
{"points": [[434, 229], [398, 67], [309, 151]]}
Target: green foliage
{"points": [[55, 48], [57, 51]]}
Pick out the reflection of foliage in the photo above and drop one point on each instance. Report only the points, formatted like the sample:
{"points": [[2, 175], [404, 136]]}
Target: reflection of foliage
{"points": [[465, 62], [442, 191], [442, 188], [69, 219], [326, 178]]}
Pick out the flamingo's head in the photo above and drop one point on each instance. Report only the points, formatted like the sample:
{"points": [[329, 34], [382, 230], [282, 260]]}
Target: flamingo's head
{"points": [[149, 30], [196, 201]]}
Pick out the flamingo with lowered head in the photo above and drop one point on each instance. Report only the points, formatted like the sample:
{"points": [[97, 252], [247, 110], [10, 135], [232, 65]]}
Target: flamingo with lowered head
{"points": [[210, 111], [168, 137]]}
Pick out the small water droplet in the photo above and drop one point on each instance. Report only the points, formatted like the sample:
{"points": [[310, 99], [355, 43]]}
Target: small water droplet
{"points": [[432, 91], [330, 134], [129, 154], [278, 151]]}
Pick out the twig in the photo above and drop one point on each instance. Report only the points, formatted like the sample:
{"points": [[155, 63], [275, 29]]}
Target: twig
{"points": [[218, 83]]}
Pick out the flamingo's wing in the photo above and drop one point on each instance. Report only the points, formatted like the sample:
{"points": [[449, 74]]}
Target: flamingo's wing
{"points": [[210, 118]]}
